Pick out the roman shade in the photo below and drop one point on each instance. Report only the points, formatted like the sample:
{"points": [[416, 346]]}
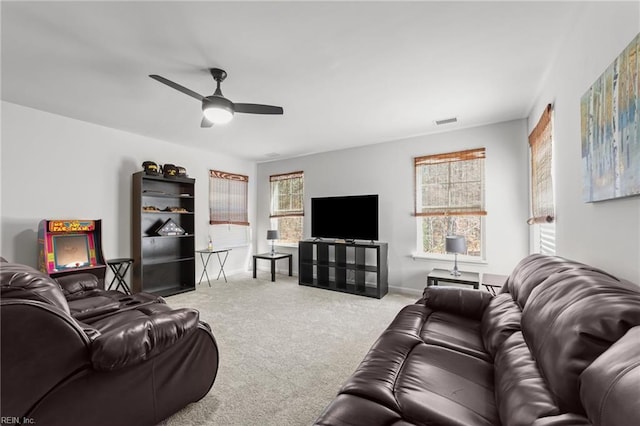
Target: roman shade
{"points": [[228, 198], [540, 141]]}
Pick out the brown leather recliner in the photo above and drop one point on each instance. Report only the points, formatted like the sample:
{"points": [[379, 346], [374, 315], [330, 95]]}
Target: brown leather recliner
{"points": [[74, 354], [559, 346]]}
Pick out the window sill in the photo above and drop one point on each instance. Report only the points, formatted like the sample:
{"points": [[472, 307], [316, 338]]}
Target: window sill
{"points": [[449, 258], [289, 245]]}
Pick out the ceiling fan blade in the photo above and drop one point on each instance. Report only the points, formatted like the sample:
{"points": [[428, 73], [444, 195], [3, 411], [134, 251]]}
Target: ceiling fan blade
{"points": [[258, 109], [205, 122], [177, 87]]}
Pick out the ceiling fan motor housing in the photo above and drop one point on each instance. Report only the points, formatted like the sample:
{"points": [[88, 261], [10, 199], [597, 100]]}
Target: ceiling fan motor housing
{"points": [[218, 74]]}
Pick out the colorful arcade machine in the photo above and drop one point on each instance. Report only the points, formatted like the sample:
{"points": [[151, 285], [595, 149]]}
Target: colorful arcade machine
{"points": [[70, 247]]}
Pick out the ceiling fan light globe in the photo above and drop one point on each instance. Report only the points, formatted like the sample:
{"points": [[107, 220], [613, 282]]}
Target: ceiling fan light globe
{"points": [[217, 114], [217, 109]]}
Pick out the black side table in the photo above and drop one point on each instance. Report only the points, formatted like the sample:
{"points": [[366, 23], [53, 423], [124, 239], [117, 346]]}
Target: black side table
{"points": [[442, 275], [493, 282], [273, 257], [120, 267]]}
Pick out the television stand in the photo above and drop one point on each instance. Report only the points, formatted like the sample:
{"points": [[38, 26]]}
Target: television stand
{"points": [[348, 267]]}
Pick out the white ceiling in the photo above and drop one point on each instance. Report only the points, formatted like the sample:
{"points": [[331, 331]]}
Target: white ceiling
{"points": [[346, 73]]}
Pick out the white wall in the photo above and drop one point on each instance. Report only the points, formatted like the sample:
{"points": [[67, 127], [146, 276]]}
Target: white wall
{"points": [[387, 169], [54, 167], [604, 234]]}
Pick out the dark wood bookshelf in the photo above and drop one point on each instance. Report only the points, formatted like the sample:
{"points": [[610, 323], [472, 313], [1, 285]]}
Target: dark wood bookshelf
{"points": [[163, 264]]}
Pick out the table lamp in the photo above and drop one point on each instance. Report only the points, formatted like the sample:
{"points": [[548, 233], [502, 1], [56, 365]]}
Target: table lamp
{"points": [[458, 245], [272, 234]]}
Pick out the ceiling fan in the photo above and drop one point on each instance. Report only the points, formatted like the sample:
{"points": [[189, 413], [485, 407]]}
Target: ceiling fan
{"points": [[216, 108]]}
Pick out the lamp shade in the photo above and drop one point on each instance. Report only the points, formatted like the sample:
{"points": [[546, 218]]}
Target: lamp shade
{"points": [[456, 244], [272, 234]]}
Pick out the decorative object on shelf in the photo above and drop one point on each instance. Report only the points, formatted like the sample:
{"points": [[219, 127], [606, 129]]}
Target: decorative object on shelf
{"points": [[151, 168], [210, 244], [610, 141], [169, 227], [170, 170], [272, 235], [182, 172], [176, 209], [150, 209], [458, 245]]}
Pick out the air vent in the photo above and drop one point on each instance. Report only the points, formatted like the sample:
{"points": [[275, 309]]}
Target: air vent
{"points": [[446, 121]]}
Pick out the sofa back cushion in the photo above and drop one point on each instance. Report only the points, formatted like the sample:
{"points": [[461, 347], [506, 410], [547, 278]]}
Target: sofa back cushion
{"points": [[23, 282], [77, 285], [610, 386], [570, 319], [533, 270]]}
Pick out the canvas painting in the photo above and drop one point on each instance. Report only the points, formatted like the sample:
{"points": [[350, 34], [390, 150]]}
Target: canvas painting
{"points": [[610, 129]]}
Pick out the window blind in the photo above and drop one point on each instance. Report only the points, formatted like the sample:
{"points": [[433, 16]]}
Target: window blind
{"points": [[228, 198], [542, 203], [450, 184]]}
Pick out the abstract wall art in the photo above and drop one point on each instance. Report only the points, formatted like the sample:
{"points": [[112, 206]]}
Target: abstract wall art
{"points": [[610, 129]]}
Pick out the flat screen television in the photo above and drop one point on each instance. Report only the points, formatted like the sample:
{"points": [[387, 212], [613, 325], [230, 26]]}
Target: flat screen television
{"points": [[71, 251], [352, 217]]}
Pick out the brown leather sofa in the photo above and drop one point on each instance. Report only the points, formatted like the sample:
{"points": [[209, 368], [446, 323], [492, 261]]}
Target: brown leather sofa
{"points": [[74, 354], [559, 345]]}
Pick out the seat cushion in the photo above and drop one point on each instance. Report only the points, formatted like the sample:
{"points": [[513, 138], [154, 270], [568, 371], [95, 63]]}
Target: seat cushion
{"points": [[441, 386], [452, 331], [441, 328], [97, 304], [423, 383], [348, 410]]}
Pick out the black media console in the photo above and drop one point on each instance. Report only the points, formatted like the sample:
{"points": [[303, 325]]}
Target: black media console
{"points": [[356, 268]]}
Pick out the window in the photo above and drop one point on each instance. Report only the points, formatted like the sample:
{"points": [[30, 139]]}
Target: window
{"points": [[542, 200], [228, 194], [287, 205], [449, 199]]}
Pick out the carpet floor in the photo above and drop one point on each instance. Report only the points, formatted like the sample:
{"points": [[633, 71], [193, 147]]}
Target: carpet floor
{"points": [[285, 349]]}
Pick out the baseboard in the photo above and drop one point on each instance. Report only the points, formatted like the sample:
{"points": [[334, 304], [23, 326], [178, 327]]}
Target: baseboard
{"points": [[413, 292]]}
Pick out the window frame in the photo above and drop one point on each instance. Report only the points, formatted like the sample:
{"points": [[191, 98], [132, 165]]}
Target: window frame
{"points": [[276, 214], [446, 211]]}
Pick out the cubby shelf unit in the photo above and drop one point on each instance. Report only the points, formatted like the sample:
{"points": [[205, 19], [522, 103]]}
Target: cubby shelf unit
{"points": [[355, 268]]}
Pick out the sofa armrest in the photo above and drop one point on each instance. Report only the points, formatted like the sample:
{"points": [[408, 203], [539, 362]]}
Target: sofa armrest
{"points": [[460, 301], [42, 346], [137, 341]]}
